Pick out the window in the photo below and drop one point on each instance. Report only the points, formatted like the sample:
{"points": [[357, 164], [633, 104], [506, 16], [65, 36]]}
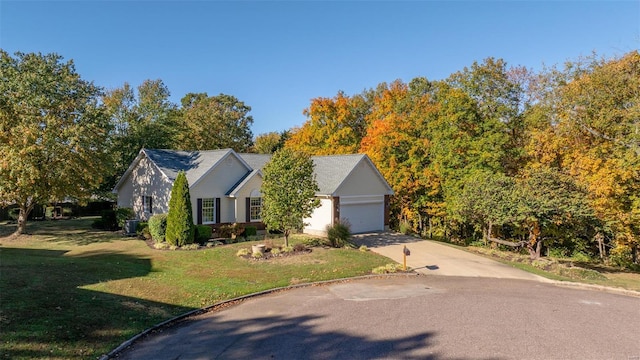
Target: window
{"points": [[146, 204], [208, 211], [255, 207]]}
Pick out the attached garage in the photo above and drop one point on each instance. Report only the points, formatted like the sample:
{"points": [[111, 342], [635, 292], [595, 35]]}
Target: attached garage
{"points": [[351, 189]]}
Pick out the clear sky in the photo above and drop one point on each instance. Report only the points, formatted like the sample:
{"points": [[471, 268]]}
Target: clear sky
{"points": [[278, 55]]}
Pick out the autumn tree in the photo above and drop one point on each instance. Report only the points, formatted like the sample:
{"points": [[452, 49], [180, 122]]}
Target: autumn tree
{"points": [[52, 132], [214, 122], [586, 123], [180, 230], [288, 191], [334, 126]]}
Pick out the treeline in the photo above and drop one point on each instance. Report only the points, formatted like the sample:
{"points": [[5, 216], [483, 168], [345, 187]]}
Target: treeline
{"points": [[499, 153], [524, 159]]}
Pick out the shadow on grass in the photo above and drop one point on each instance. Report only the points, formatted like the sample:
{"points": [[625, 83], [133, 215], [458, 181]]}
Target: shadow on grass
{"points": [[44, 312], [71, 231], [272, 337]]}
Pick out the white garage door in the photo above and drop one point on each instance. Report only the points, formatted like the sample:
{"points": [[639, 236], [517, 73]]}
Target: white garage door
{"points": [[364, 215]]}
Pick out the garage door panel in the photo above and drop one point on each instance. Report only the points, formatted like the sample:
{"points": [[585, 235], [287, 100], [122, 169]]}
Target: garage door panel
{"points": [[365, 217]]}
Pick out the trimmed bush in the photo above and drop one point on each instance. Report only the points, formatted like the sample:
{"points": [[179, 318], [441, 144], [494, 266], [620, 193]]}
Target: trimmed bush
{"points": [[250, 231], [338, 234], [109, 220], [180, 229], [203, 234], [158, 227], [122, 215], [142, 229]]}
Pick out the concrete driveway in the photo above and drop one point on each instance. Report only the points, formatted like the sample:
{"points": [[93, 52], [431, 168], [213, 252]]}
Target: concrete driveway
{"points": [[433, 258]]}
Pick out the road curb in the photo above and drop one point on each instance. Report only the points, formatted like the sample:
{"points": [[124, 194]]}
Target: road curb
{"points": [[113, 354], [609, 289]]}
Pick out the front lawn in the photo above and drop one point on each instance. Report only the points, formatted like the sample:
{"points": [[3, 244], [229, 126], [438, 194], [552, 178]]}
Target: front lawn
{"points": [[68, 291]]}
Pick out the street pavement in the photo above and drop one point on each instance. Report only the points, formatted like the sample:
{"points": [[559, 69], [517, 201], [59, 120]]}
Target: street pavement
{"points": [[468, 307], [410, 317]]}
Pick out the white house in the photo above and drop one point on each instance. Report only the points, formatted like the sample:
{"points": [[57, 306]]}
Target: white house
{"points": [[225, 188]]}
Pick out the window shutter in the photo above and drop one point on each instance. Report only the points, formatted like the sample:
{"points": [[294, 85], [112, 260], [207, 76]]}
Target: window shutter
{"points": [[150, 205], [248, 209], [199, 214], [217, 210]]}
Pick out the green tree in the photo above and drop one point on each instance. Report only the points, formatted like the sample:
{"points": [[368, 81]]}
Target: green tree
{"points": [[270, 142], [142, 119], [180, 229], [288, 189], [214, 122], [52, 132]]}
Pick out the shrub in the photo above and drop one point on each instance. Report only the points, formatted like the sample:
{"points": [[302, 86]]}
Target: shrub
{"points": [[142, 229], [161, 245], [363, 248], [313, 242], [405, 227], [180, 229], [250, 231], [190, 247], [299, 247], [387, 269], [243, 252], [109, 220], [202, 234], [276, 251], [287, 249], [257, 255], [621, 255], [124, 214], [338, 234], [97, 224], [158, 227]]}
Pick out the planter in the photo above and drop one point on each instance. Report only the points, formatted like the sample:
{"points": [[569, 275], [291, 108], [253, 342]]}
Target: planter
{"points": [[258, 249]]}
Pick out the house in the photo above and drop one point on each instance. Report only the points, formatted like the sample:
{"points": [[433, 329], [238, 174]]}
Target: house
{"points": [[225, 188]]}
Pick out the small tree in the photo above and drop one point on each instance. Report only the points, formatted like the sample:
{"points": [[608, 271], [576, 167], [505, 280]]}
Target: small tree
{"points": [[288, 190], [180, 230]]}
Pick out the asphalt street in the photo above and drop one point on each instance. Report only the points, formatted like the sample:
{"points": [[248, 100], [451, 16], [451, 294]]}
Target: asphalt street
{"points": [[460, 306]]}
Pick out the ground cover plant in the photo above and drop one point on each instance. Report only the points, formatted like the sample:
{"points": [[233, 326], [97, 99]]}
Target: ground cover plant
{"points": [[70, 291]]}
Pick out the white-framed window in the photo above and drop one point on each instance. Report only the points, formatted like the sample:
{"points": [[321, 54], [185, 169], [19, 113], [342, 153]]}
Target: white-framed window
{"points": [[147, 204], [255, 208], [209, 211]]}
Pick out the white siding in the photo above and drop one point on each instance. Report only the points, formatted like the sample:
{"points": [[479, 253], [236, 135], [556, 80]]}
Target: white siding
{"points": [[253, 185], [320, 218], [147, 180], [216, 184], [363, 180]]}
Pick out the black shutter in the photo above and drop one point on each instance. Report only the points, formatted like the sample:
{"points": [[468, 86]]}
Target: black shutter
{"points": [[199, 214], [217, 210], [248, 209], [150, 205]]}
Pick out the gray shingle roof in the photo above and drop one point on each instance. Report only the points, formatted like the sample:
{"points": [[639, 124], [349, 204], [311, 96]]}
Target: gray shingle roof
{"points": [[194, 163], [332, 170], [256, 161]]}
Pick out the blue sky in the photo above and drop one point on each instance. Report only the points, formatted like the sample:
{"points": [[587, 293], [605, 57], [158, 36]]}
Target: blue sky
{"points": [[278, 55]]}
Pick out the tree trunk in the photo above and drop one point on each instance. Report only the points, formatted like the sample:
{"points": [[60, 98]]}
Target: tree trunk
{"points": [[286, 238], [534, 245], [25, 209], [430, 228]]}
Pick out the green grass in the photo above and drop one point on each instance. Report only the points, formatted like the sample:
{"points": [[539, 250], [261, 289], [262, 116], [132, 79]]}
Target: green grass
{"points": [[68, 291]]}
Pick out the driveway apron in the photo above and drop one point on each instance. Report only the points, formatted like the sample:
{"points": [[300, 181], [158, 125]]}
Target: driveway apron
{"points": [[433, 258]]}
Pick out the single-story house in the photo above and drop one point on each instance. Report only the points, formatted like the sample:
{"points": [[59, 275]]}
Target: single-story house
{"points": [[225, 188]]}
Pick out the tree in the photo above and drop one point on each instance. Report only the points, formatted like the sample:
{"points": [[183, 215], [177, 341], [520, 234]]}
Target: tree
{"points": [[52, 132], [288, 189], [214, 122], [270, 142], [334, 126], [180, 230], [140, 120]]}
